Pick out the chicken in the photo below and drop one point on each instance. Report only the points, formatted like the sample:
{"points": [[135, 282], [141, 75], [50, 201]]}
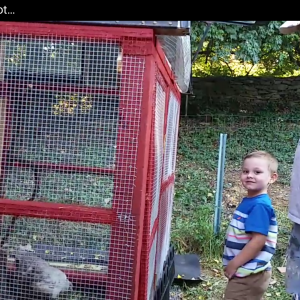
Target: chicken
{"points": [[27, 262], [51, 281], [5, 292], [39, 275]]}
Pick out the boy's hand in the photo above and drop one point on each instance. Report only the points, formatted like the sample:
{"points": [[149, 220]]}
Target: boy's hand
{"points": [[230, 269], [250, 251]]}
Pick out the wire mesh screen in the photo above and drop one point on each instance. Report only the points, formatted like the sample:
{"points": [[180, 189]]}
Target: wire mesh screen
{"points": [[158, 146], [72, 114], [171, 137], [151, 272], [62, 258], [178, 52], [57, 252], [163, 239], [167, 189], [56, 126], [51, 140], [153, 188]]}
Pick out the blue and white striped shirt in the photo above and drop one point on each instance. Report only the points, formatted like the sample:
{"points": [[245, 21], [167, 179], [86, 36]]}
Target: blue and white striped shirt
{"points": [[252, 215]]}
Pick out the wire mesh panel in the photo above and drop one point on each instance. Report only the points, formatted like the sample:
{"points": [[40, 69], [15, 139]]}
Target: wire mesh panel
{"points": [[71, 101], [121, 267], [151, 270], [153, 187], [55, 125], [167, 187], [178, 52], [158, 145], [171, 137], [164, 229]]}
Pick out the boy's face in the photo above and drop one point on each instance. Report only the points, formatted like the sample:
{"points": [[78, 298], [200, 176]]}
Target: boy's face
{"points": [[256, 175]]}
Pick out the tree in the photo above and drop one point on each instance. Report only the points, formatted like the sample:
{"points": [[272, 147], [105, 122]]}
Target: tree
{"points": [[233, 50]]}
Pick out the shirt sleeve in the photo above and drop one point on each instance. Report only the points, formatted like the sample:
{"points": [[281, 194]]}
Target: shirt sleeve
{"points": [[259, 219]]}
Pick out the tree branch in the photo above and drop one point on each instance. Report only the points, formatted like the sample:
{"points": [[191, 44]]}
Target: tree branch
{"points": [[200, 46], [247, 73], [231, 71], [209, 50]]}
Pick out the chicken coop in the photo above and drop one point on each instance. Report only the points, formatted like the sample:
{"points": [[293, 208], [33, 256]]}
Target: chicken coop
{"points": [[89, 115]]}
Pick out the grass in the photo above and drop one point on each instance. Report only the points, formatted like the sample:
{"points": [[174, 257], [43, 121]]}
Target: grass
{"points": [[192, 223]]}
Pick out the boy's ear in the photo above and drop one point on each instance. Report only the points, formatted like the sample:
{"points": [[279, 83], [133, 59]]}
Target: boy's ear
{"points": [[274, 177]]}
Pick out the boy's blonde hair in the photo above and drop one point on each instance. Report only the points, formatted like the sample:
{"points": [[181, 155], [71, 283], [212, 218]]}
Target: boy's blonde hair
{"points": [[272, 161]]}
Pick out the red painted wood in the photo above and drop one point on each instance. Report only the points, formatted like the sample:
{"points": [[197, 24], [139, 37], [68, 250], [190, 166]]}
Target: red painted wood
{"points": [[138, 47], [127, 227], [126, 202], [139, 196], [64, 168], [166, 183], [144, 265], [149, 234], [57, 211], [153, 232], [78, 31], [164, 186], [28, 85]]}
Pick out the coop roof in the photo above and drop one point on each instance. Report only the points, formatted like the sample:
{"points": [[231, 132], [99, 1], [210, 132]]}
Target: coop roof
{"points": [[244, 23], [290, 27]]}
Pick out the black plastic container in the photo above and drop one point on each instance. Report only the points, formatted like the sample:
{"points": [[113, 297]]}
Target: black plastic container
{"points": [[163, 288]]}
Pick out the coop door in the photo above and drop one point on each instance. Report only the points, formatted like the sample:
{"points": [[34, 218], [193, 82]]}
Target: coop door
{"points": [[60, 132]]}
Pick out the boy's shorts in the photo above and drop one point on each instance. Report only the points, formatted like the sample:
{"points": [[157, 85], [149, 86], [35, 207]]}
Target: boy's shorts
{"points": [[292, 275], [251, 287]]}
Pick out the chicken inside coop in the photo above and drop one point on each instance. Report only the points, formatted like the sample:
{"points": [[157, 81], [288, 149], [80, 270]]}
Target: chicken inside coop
{"points": [[33, 277]]}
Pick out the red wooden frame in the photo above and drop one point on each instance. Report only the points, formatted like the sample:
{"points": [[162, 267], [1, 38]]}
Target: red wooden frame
{"points": [[81, 31], [124, 163], [168, 82], [142, 165], [136, 43], [58, 211]]}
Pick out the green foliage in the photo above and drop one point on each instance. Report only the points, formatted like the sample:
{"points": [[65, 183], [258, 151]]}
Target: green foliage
{"points": [[232, 50]]}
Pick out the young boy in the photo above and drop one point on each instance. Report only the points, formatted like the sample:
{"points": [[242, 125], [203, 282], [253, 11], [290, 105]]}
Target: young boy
{"points": [[252, 234]]}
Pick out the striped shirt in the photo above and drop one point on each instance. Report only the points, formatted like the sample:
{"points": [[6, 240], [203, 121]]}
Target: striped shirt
{"points": [[252, 215]]}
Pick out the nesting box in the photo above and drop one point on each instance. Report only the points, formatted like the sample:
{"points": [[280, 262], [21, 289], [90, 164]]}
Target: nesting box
{"points": [[88, 135]]}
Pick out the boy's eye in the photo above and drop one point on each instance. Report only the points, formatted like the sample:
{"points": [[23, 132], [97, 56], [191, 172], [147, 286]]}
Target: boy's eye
{"points": [[257, 172], [245, 172]]}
